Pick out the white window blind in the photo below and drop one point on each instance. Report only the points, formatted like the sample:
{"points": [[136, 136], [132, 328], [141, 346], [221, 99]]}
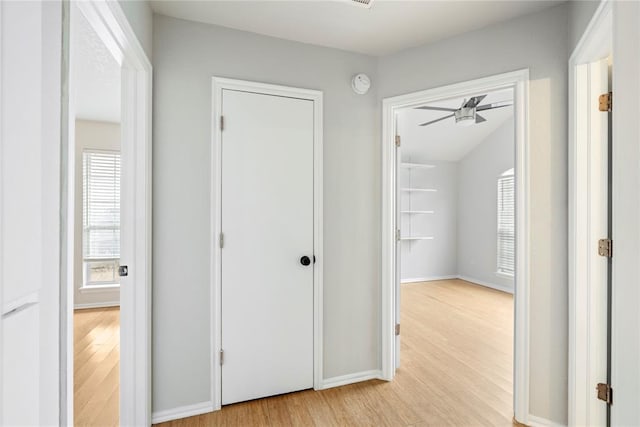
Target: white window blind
{"points": [[506, 223], [101, 205]]}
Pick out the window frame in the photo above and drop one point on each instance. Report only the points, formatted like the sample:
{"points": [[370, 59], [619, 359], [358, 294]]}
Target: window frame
{"points": [[86, 261], [509, 174]]}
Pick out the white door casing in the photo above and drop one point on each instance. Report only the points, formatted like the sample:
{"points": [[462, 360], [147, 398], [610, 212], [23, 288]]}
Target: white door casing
{"points": [[519, 82]]}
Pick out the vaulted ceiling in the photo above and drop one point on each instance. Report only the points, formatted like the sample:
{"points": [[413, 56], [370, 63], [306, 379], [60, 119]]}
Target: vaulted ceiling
{"points": [[388, 26], [445, 140]]}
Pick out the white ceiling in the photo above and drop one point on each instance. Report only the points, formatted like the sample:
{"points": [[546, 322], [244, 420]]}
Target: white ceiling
{"points": [[96, 75], [446, 141], [388, 26]]}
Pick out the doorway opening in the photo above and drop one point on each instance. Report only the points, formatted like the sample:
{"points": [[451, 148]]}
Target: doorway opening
{"points": [[106, 265], [455, 240]]}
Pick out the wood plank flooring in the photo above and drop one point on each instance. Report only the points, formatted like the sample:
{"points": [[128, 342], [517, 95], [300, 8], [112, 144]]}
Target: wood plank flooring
{"points": [[96, 367], [456, 369]]}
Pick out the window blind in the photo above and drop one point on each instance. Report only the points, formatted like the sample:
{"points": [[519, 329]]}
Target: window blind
{"points": [[506, 224], [101, 205]]}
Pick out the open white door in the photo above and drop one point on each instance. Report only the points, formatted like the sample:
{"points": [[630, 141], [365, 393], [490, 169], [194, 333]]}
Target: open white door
{"points": [[267, 245], [592, 198], [30, 46], [398, 247]]}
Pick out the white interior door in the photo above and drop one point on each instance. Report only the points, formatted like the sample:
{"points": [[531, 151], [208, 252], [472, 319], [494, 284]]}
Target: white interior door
{"points": [[398, 245], [596, 83], [267, 224], [29, 212]]}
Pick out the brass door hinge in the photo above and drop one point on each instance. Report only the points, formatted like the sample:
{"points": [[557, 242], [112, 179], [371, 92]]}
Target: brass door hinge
{"points": [[605, 393], [605, 248], [397, 140], [605, 102], [397, 328], [221, 123], [221, 241], [221, 357]]}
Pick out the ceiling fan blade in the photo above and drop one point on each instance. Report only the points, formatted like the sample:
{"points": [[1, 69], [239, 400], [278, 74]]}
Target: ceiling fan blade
{"points": [[480, 119], [437, 120], [426, 107], [492, 106], [474, 101]]}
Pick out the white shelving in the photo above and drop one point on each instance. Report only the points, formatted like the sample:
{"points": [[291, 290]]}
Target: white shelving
{"points": [[426, 190], [408, 165], [417, 212], [409, 210], [417, 238]]}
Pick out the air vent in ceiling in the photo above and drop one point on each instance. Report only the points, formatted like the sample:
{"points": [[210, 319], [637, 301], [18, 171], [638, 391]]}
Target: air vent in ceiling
{"points": [[362, 3]]}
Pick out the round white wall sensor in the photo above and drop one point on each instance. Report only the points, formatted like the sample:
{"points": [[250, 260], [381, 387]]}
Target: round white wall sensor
{"points": [[361, 83]]}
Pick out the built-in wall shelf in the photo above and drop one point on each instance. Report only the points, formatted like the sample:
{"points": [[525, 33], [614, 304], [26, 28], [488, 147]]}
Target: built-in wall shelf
{"points": [[417, 212], [416, 166], [417, 238], [426, 190]]}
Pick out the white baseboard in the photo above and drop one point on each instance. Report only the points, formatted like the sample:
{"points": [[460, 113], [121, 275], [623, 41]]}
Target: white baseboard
{"points": [[350, 379], [534, 421], [429, 279], [487, 284], [182, 412], [96, 305]]}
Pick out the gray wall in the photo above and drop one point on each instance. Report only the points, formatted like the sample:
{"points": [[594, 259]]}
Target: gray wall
{"points": [[538, 42], [95, 135], [580, 13], [140, 17], [186, 55], [477, 191], [429, 259]]}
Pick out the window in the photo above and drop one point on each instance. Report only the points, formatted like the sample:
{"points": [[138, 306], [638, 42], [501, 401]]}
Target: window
{"points": [[506, 223], [101, 217]]}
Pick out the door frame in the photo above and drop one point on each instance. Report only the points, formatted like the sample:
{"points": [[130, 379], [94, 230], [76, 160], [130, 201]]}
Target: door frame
{"points": [[111, 25], [218, 85], [596, 40], [519, 82]]}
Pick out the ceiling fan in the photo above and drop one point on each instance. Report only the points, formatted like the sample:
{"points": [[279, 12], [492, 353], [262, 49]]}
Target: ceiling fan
{"points": [[467, 114]]}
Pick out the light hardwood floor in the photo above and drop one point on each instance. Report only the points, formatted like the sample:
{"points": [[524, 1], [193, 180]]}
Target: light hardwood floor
{"points": [[96, 367], [456, 369]]}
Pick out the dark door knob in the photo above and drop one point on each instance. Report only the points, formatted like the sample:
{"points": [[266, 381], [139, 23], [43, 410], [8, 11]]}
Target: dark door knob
{"points": [[305, 260]]}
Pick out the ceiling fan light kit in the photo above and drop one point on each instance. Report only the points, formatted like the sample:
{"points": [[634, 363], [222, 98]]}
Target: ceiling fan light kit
{"points": [[467, 114]]}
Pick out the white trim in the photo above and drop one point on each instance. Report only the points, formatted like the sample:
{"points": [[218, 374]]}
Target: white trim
{"points": [[519, 81], [112, 27], [429, 279], [218, 84], [99, 288], [182, 412], [504, 275], [350, 379], [96, 305], [534, 421], [486, 284], [591, 46]]}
